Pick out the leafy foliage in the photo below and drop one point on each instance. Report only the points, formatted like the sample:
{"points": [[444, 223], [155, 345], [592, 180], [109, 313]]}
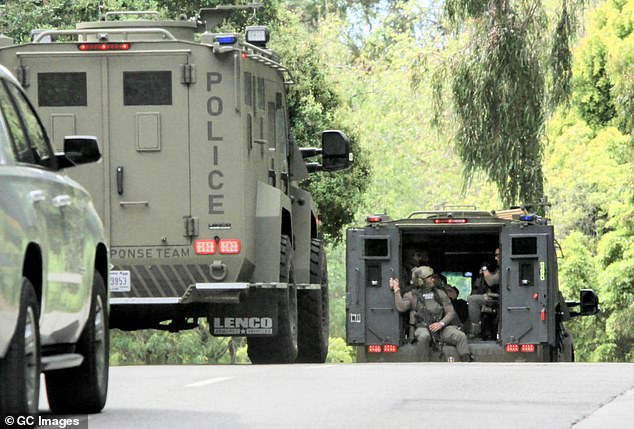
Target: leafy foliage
{"points": [[501, 91], [590, 170], [195, 346]]}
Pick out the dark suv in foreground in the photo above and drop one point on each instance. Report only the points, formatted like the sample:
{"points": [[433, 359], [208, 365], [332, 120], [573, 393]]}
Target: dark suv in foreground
{"points": [[53, 269]]}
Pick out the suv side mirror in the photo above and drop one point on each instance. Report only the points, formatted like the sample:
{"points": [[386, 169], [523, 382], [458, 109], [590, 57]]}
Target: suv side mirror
{"points": [[79, 150], [335, 153]]}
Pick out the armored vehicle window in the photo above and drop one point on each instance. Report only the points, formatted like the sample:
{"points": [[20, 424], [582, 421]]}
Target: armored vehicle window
{"points": [[33, 128], [261, 93], [524, 246], [280, 123], [375, 248], [248, 89], [147, 88], [272, 126], [249, 133], [61, 89]]}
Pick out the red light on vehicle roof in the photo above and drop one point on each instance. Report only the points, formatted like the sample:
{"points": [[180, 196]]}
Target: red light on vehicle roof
{"points": [[389, 348], [527, 348], [103, 46], [450, 220], [373, 219], [374, 348], [512, 348]]}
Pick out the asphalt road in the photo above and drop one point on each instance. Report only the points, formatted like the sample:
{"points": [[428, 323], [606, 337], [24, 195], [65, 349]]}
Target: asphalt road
{"points": [[396, 395]]}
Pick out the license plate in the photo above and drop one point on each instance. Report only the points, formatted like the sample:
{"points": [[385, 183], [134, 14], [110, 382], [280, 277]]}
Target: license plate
{"points": [[120, 281]]}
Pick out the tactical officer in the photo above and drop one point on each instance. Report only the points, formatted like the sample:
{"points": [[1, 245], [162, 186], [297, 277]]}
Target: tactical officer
{"points": [[433, 312], [485, 292]]}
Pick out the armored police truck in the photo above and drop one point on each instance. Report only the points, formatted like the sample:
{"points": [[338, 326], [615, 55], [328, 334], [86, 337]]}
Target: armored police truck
{"points": [[199, 187], [522, 321]]}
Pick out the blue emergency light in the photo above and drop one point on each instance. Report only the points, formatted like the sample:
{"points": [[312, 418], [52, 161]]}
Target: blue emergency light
{"points": [[226, 39]]}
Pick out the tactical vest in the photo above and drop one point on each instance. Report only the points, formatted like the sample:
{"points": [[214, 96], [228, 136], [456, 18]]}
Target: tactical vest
{"points": [[428, 307]]}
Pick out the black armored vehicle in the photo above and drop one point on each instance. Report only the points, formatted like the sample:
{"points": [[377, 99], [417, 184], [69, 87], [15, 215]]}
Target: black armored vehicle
{"points": [[524, 321]]}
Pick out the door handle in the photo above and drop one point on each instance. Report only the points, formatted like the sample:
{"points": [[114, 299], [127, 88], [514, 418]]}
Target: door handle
{"points": [[134, 203], [120, 180], [62, 201]]}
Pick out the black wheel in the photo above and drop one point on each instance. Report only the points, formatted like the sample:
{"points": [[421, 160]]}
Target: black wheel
{"points": [[313, 315], [20, 368], [83, 389], [281, 348]]}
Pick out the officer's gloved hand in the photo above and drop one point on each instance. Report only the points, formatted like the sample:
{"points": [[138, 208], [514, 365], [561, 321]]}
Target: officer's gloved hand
{"points": [[485, 266]]}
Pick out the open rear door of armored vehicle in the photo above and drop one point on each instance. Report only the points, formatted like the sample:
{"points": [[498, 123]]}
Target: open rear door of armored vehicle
{"points": [[372, 258], [526, 287]]}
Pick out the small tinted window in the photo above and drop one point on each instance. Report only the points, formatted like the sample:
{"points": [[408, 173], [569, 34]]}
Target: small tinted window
{"points": [[61, 89], [248, 89], [34, 130], [524, 246], [261, 93], [147, 88], [375, 248]]}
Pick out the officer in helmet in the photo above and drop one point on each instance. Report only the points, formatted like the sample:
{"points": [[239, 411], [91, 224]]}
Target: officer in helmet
{"points": [[433, 313]]}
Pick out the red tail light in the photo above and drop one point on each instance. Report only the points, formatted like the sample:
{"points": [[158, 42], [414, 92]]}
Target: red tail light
{"points": [[103, 46], [542, 315], [512, 348], [374, 348], [229, 246], [205, 247], [527, 348], [226, 246], [389, 348]]}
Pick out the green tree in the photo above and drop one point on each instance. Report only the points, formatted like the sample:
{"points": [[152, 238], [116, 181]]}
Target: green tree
{"points": [[589, 165], [500, 88]]}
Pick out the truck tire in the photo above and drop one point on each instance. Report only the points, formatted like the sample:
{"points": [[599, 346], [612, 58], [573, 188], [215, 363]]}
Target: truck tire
{"points": [[20, 368], [83, 390], [281, 348], [313, 315]]}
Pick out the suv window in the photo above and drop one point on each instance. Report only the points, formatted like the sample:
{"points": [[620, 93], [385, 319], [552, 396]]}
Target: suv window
{"points": [[29, 139]]}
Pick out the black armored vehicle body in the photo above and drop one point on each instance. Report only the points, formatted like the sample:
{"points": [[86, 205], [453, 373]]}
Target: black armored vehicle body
{"points": [[525, 322]]}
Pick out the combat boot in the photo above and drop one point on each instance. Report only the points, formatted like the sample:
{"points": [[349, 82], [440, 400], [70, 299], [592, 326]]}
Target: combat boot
{"points": [[466, 357]]}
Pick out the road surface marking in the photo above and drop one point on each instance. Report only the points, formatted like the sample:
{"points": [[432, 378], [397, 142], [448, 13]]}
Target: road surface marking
{"points": [[208, 381]]}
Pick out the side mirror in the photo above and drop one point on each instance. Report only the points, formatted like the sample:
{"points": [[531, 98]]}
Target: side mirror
{"points": [[589, 302], [335, 148], [79, 150]]}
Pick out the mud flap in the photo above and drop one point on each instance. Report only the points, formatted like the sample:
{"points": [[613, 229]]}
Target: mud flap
{"points": [[256, 319]]}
